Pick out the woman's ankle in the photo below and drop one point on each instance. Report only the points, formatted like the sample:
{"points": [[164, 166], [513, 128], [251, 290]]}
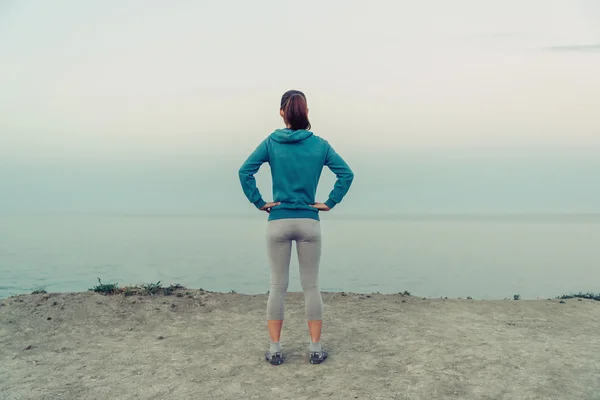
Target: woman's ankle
{"points": [[315, 347]]}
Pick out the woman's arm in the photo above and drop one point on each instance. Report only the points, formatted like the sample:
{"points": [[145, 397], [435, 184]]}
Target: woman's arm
{"points": [[247, 171], [344, 175]]}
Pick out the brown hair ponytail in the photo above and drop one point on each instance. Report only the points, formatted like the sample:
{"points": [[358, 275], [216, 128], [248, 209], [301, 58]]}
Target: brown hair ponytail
{"points": [[295, 110]]}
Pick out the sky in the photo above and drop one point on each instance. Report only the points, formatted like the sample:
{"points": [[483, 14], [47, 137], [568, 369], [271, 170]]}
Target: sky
{"points": [[151, 106]]}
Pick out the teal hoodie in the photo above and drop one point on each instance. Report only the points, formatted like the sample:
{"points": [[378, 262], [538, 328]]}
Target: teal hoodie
{"points": [[296, 159]]}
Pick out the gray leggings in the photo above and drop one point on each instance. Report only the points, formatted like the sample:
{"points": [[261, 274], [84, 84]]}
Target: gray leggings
{"points": [[307, 234]]}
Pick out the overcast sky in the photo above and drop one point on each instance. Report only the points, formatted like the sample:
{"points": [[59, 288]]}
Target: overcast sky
{"points": [[88, 82]]}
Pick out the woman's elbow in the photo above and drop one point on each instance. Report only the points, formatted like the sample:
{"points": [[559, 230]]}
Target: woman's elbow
{"points": [[350, 176]]}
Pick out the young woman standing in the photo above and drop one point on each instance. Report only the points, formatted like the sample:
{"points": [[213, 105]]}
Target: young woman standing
{"points": [[296, 157]]}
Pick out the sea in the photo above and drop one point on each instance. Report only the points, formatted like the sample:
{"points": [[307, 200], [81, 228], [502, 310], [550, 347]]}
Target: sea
{"points": [[455, 256]]}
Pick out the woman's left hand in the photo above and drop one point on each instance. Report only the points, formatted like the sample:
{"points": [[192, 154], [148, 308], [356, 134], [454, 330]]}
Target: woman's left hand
{"points": [[267, 207]]}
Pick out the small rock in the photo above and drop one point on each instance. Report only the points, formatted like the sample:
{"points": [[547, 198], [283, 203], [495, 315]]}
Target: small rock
{"points": [[29, 347], [562, 302], [49, 318], [55, 303], [344, 294], [173, 305], [368, 296], [161, 338]]}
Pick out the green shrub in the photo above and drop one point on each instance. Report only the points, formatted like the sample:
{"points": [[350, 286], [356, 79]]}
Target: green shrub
{"points": [[580, 295], [105, 288]]}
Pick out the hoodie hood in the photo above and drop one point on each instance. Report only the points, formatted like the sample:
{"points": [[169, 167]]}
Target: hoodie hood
{"points": [[289, 136]]}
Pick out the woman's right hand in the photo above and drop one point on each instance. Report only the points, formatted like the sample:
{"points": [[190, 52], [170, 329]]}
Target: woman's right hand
{"points": [[320, 206]]}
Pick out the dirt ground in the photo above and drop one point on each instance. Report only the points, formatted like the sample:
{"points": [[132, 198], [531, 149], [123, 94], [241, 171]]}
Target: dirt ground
{"points": [[210, 346]]}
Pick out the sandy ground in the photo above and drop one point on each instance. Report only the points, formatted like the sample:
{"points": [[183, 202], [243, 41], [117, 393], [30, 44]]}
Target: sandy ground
{"points": [[210, 346]]}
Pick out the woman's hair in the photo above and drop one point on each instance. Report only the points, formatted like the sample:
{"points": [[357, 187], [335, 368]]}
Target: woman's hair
{"points": [[295, 111]]}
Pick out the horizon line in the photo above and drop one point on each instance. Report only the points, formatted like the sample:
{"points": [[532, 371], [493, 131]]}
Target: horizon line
{"points": [[328, 216]]}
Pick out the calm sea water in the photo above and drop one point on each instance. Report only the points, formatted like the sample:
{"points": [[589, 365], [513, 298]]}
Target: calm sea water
{"points": [[486, 258]]}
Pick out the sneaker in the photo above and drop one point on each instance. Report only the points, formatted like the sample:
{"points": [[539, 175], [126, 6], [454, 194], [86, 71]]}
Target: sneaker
{"points": [[317, 357], [274, 358]]}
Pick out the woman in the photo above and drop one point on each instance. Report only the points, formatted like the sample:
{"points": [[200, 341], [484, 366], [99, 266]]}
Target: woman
{"points": [[296, 157]]}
